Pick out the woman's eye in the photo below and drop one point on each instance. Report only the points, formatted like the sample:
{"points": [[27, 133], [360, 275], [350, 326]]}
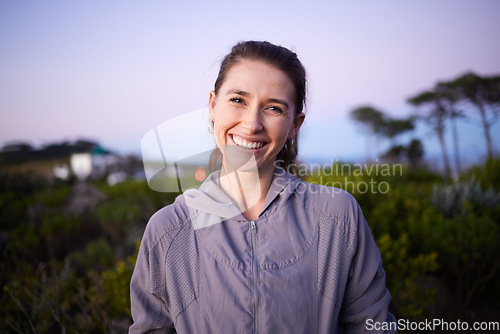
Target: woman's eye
{"points": [[277, 109], [236, 100]]}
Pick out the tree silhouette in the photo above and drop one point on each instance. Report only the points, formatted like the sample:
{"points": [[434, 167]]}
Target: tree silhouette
{"points": [[483, 93], [439, 110], [392, 127], [415, 152], [452, 98], [372, 121]]}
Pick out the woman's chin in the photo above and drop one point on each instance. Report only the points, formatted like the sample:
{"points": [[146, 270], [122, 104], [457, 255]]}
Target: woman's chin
{"points": [[237, 158]]}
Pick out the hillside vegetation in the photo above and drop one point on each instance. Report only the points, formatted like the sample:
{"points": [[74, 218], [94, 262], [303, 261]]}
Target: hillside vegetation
{"points": [[68, 248]]}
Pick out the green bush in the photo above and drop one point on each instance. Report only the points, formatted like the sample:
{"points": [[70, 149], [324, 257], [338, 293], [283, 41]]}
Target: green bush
{"points": [[63, 271], [488, 174], [410, 300], [468, 250], [67, 271], [117, 280]]}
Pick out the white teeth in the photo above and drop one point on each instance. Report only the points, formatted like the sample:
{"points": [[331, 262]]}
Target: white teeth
{"points": [[245, 144]]}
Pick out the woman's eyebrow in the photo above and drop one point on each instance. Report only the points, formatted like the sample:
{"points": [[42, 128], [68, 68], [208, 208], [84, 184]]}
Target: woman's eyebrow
{"points": [[238, 92], [274, 100], [244, 93]]}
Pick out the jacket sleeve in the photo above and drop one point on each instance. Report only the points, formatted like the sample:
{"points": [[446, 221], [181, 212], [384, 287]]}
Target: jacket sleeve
{"points": [[366, 299], [150, 312]]}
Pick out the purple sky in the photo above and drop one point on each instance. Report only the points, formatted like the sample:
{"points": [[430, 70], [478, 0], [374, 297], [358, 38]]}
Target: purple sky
{"points": [[111, 71]]}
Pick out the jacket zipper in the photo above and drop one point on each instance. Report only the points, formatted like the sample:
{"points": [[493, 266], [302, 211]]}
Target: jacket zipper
{"points": [[255, 276]]}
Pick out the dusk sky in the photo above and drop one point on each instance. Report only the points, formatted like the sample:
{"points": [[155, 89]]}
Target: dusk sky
{"points": [[111, 70]]}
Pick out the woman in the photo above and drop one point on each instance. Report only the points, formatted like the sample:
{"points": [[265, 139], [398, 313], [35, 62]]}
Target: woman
{"points": [[254, 249]]}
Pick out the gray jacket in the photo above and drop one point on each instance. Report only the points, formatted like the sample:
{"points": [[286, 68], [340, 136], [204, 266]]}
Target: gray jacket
{"points": [[308, 264]]}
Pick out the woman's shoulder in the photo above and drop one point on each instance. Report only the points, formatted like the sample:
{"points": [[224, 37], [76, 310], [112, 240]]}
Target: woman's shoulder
{"points": [[167, 221]]}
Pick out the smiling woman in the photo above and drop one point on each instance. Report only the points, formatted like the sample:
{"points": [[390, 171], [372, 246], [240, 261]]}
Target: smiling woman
{"points": [[289, 70], [255, 249], [252, 110]]}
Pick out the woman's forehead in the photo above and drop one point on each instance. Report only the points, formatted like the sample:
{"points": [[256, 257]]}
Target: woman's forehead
{"points": [[257, 77]]}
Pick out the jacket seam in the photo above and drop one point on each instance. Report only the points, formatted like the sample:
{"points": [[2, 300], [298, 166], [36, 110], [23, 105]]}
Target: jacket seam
{"points": [[169, 232], [303, 252], [163, 286], [185, 307], [322, 214], [233, 265]]}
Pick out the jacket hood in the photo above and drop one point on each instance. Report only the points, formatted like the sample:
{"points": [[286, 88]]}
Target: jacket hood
{"points": [[210, 205]]}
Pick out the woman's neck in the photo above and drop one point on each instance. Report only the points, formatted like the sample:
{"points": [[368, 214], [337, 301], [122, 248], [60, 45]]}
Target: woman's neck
{"points": [[247, 188]]}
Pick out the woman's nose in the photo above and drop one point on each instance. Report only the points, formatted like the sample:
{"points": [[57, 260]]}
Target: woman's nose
{"points": [[252, 120]]}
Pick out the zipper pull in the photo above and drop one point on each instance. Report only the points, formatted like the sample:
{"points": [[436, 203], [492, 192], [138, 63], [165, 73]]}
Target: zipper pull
{"points": [[253, 226]]}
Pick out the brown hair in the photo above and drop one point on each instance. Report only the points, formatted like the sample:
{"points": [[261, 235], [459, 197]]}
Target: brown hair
{"points": [[284, 60]]}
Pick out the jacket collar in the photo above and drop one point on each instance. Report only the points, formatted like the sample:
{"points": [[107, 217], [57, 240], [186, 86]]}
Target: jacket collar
{"points": [[282, 187], [209, 204]]}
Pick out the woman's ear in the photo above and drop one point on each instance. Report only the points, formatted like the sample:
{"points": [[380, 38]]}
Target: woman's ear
{"points": [[297, 123], [211, 105]]}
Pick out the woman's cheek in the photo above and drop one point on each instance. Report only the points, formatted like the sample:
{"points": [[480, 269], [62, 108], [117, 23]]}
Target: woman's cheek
{"points": [[218, 137]]}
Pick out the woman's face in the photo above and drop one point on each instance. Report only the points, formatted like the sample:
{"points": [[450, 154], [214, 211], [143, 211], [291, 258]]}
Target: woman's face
{"points": [[254, 111]]}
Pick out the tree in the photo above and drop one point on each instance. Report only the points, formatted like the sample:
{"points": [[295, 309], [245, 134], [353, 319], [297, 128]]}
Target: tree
{"points": [[17, 146], [372, 120], [395, 153], [452, 98], [395, 127], [483, 93], [436, 116], [415, 152]]}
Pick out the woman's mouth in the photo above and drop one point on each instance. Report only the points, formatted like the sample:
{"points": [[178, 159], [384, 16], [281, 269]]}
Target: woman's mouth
{"points": [[250, 145]]}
